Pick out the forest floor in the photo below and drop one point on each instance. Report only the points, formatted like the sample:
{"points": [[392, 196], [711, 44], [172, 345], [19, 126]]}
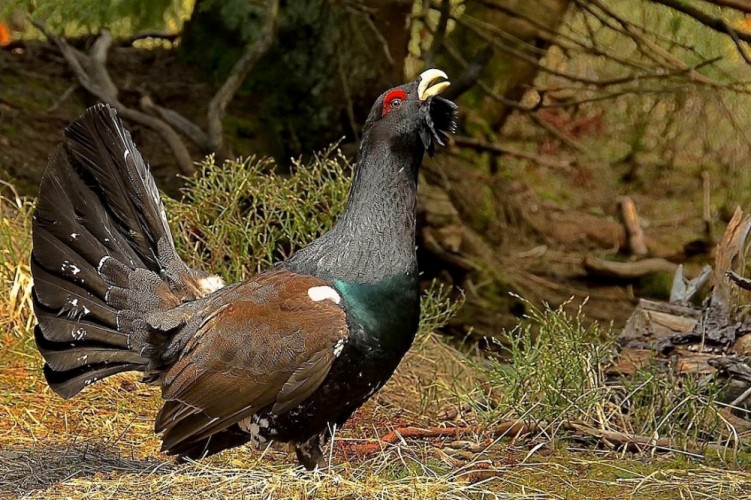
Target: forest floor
{"points": [[101, 445]]}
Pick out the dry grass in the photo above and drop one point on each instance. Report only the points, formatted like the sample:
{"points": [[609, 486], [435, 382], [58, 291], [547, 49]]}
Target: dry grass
{"points": [[15, 274]]}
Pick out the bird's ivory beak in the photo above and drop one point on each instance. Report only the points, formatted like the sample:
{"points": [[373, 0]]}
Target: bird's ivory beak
{"points": [[425, 89]]}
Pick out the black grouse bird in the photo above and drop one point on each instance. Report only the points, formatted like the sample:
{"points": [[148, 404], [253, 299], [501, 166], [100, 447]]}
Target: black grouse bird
{"points": [[286, 355]]}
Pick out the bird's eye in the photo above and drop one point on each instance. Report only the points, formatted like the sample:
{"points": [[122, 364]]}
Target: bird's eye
{"points": [[393, 100]]}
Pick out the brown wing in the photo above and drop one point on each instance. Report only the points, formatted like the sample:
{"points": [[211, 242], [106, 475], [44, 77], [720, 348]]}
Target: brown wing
{"points": [[271, 345]]}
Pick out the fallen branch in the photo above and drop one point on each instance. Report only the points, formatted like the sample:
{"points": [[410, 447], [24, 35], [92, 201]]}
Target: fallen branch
{"points": [[602, 268], [179, 123], [404, 433], [634, 233], [517, 428]]}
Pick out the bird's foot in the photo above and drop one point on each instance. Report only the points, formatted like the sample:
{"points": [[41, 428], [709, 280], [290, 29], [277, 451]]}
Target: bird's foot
{"points": [[309, 453]]}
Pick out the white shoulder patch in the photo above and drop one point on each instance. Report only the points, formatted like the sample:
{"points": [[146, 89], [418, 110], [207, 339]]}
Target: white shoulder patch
{"points": [[210, 284], [319, 293]]}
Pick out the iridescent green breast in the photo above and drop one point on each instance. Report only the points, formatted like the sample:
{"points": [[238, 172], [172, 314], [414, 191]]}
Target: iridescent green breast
{"points": [[387, 312]]}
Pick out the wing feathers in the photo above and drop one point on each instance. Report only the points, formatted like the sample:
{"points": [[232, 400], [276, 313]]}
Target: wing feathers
{"points": [[269, 349], [304, 381]]}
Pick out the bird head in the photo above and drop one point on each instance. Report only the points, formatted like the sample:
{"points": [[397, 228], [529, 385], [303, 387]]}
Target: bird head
{"points": [[414, 111]]}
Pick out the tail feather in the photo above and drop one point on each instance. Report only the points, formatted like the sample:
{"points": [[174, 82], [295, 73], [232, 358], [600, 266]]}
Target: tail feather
{"points": [[61, 329], [87, 226], [103, 258], [69, 383], [66, 298], [119, 174], [71, 355], [50, 253]]}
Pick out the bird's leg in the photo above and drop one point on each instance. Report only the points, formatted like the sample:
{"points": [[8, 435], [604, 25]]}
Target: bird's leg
{"points": [[309, 453]]}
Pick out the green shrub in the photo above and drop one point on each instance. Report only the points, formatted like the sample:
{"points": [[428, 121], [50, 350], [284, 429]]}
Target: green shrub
{"points": [[555, 369], [240, 218], [553, 375]]}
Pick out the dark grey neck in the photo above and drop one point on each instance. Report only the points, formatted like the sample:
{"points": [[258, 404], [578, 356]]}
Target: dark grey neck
{"points": [[374, 237]]}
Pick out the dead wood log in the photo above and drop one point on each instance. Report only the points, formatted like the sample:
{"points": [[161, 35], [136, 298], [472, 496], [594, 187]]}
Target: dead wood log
{"points": [[713, 339], [602, 268]]}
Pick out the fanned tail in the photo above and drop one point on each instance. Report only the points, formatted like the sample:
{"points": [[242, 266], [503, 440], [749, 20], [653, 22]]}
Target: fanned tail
{"points": [[103, 261]]}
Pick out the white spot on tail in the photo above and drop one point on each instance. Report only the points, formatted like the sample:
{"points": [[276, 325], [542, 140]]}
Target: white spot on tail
{"points": [[78, 334], [339, 346], [86, 310], [74, 235], [74, 302], [319, 293], [101, 263], [73, 268], [210, 284]]}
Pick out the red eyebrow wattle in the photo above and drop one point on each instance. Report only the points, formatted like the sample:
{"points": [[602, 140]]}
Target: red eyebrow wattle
{"points": [[394, 94]]}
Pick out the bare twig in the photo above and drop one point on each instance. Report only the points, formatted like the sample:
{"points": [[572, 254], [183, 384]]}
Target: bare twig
{"points": [[738, 44], [715, 23], [440, 33], [240, 71], [62, 97], [347, 96], [741, 5], [381, 38], [500, 149], [739, 280]]}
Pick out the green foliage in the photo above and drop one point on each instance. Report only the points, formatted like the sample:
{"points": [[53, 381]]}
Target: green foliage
{"points": [[661, 403], [556, 366], [555, 376], [122, 17], [239, 218], [438, 307]]}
